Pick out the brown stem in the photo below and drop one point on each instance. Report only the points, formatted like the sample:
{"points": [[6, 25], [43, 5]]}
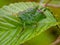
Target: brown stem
{"points": [[54, 5], [47, 3], [57, 41], [51, 5]]}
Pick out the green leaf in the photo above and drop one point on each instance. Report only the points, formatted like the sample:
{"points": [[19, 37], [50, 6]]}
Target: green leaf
{"points": [[15, 33]]}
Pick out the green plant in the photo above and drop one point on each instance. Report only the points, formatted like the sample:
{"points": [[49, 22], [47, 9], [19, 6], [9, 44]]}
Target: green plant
{"points": [[12, 32], [18, 25]]}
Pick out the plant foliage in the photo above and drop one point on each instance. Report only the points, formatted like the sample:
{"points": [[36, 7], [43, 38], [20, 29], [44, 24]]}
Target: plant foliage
{"points": [[19, 22]]}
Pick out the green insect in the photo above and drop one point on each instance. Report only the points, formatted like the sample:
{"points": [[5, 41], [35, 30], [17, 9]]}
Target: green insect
{"points": [[31, 16]]}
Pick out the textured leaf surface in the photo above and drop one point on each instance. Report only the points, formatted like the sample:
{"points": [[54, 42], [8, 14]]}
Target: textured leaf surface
{"points": [[11, 31]]}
